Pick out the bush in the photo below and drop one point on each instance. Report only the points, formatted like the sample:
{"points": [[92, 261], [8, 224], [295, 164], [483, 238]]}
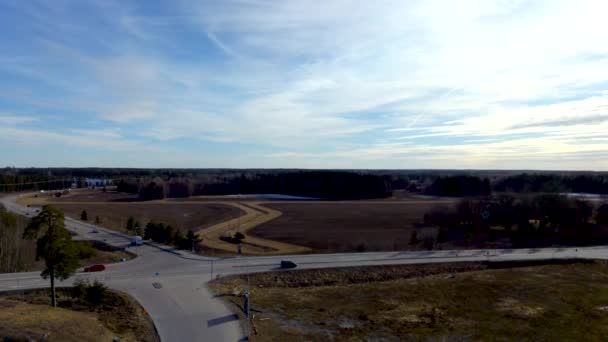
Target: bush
{"points": [[442, 235], [429, 243], [238, 236], [84, 216], [96, 294], [85, 251], [414, 238], [93, 295]]}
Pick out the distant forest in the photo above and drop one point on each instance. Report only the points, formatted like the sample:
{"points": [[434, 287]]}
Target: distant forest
{"points": [[317, 184], [328, 184]]}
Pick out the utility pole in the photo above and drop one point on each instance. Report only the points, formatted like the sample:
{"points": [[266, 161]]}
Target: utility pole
{"points": [[212, 260]]}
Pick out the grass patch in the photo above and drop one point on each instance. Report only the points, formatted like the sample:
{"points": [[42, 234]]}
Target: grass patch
{"points": [[26, 315], [538, 303]]}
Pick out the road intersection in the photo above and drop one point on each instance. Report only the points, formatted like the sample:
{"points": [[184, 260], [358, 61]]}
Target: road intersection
{"points": [[172, 285]]}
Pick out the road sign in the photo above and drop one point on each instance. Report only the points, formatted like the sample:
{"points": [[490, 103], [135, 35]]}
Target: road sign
{"points": [[246, 304]]}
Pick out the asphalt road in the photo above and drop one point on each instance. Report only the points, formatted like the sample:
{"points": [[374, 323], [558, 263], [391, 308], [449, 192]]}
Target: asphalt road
{"points": [[171, 285]]}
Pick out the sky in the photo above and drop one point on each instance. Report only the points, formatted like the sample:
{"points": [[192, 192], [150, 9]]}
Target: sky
{"points": [[504, 84]]}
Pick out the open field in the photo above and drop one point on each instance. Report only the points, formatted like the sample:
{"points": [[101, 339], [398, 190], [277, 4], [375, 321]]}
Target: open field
{"points": [[179, 215], [211, 218], [565, 302], [255, 215], [28, 316], [344, 226], [271, 227], [114, 209]]}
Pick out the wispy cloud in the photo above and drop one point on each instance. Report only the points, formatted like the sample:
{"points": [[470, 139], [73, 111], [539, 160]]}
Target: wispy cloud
{"points": [[315, 84], [16, 119]]}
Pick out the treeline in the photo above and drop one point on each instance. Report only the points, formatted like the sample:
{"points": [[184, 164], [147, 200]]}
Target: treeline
{"points": [[13, 183], [459, 186], [345, 184], [594, 184], [16, 254], [319, 184], [467, 185], [166, 234], [541, 220]]}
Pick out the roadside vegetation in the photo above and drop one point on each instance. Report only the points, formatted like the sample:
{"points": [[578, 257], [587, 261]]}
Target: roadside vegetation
{"points": [[166, 234], [19, 255], [86, 312], [16, 254], [441, 303], [519, 221], [54, 245]]}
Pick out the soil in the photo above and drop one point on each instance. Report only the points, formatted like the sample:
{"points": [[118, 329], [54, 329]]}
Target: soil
{"points": [[346, 226]]}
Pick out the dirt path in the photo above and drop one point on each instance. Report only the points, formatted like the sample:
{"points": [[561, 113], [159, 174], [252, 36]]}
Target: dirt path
{"points": [[255, 214]]}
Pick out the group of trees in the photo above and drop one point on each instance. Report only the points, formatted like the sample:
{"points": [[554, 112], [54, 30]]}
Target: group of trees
{"points": [[587, 183], [322, 184], [54, 245], [16, 254], [133, 226], [542, 219], [235, 238], [472, 185], [166, 234], [457, 186], [85, 217], [325, 183]]}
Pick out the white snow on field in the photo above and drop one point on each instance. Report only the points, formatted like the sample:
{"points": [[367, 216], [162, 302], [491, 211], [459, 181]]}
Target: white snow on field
{"points": [[272, 197]]}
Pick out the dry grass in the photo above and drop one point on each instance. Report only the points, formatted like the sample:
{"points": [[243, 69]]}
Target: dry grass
{"points": [[44, 323], [114, 209], [28, 316], [180, 215], [541, 303]]}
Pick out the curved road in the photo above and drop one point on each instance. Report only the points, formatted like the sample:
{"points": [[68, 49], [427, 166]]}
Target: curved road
{"points": [[171, 285]]}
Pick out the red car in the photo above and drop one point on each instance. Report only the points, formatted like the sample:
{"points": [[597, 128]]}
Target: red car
{"points": [[95, 268]]}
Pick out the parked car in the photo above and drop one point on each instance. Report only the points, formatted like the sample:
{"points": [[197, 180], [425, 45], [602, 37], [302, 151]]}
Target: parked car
{"points": [[288, 264], [95, 268]]}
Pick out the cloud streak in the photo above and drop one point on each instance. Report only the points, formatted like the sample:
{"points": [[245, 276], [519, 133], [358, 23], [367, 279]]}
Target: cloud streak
{"points": [[476, 84]]}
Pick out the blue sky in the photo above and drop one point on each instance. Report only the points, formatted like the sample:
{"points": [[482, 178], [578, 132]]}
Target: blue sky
{"points": [[305, 84]]}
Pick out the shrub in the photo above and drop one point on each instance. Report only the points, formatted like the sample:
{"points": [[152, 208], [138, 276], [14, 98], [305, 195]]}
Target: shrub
{"points": [[92, 295], [414, 238], [96, 294], [442, 235], [238, 236]]}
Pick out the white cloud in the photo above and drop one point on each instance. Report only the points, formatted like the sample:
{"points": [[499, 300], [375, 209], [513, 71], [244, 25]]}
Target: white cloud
{"points": [[475, 83]]}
